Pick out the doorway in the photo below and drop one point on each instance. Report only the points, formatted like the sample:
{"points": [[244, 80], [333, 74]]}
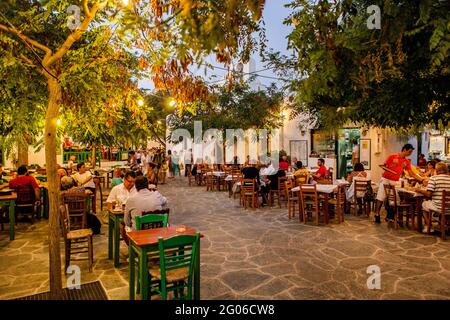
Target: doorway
{"points": [[345, 149]]}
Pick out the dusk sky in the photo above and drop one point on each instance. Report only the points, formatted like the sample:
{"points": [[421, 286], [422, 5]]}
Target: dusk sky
{"points": [[276, 33]]}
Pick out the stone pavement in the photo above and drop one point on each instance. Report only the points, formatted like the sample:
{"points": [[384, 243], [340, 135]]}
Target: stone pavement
{"points": [[257, 254]]}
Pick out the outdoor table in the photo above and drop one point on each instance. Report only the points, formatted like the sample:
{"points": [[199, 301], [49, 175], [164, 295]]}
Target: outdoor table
{"points": [[220, 175], [325, 190], [144, 241], [114, 219], [419, 200], [10, 201]]}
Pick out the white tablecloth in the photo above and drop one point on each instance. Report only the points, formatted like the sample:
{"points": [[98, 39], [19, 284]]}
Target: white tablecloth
{"points": [[324, 188]]}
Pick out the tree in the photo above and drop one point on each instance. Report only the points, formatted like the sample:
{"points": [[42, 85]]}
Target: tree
{"points": [[170, 34], [235, 107], [394, 77]]}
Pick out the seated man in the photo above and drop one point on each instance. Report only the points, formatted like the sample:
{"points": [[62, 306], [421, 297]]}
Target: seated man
{"points": [[120, 193], [24, 180], [142, 201], [322, 172], [436, 184], [23, 183], [84, 178]]}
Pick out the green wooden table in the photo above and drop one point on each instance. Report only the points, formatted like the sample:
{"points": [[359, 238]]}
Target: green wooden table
{"points": [[114, 236], [144, 241], [10, 201]]}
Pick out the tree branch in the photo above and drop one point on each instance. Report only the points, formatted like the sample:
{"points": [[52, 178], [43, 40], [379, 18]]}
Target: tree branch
{"points": [[76, 35], [86, 8], [34, 43]]}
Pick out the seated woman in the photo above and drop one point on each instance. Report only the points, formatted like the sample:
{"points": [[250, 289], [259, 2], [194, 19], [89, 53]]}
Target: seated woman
{"points": [[117, 177], [301, 174], [431, 169], [358, 173]]}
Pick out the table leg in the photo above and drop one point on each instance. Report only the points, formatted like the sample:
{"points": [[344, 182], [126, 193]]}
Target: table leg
{"points": [[131, 270], [197, 273], [419, 201], [143, 273], [116, 242], [12, 220], [110, 236], [325, 208]]}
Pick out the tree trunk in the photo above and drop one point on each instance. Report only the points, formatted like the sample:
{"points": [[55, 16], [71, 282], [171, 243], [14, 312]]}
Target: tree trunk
{"points": [[51, 117], [94, 158], [22, 153]]}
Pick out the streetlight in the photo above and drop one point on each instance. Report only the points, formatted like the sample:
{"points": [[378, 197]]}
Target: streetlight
{"points": [[141, 102], [172, 103], [58, 122], [125, 2]]}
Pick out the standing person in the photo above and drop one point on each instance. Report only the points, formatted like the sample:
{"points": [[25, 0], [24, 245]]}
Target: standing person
{"points": [[139, 156], [84, 177], [175, 164], [394, 166], [283, 164], [188, 160], [355, 152], [169, 163]]}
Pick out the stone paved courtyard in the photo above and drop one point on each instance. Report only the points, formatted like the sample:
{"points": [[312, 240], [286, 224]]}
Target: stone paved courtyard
{"points": [[257, 254]]}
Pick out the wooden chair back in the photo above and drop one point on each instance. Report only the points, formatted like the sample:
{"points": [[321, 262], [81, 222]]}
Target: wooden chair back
{"points": [[391, 195], [360, 187], [76, 202], [248, 186], [282, 184], [151, 221]]}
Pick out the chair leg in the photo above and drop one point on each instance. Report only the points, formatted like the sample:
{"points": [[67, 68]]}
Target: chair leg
{"points": [[90, 253], [443, 226], [396, 220], [429, 216], [67, 245]]}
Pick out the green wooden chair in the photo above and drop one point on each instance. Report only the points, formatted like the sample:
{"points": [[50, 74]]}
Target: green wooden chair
{"points": [[151, 221], [148, 220], [176, 266]]}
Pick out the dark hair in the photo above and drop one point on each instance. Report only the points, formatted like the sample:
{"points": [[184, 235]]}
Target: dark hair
{"points": [[407, 147], [322, 160], [139, 173], [131, 152], [169, 152], [141, 183], [299, 165], [22, 170], [358, 167], [130, 174], [421, 155], [354, 141], [79, 165], [433, 163], [152, 165]]}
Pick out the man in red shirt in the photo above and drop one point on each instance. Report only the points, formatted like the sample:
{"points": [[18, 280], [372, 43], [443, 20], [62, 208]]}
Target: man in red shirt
{"points": [[396, 163], [23, 180], [322, 172]]}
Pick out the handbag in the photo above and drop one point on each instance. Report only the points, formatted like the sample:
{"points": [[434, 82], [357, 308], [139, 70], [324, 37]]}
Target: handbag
{"points": [[369, 196]]}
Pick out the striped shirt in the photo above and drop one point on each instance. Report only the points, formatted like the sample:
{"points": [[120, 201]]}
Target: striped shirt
{"points": [[436, 185]]}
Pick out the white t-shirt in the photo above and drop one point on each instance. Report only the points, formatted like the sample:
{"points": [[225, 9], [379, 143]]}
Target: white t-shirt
{"points": [[82, 177], [120, 194]]}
